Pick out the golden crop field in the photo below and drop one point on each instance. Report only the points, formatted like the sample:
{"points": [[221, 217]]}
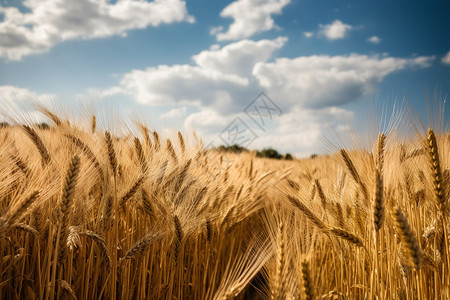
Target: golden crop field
{"points": [[88, 214]]}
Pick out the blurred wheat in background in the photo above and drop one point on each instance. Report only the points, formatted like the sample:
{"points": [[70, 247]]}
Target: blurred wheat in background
{"points": [[89, 214]]}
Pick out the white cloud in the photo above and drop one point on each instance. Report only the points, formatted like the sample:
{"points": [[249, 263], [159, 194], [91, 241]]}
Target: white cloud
{"points": [[216, 30], [218, 78], [223, 80], [11, 94], [320, 81], [250, 17], [208, 122], [52, 21], [336, 30], [175, 113], [374, 40], [180, 84], [16, 104], [308, 34], [446, 59], [300, 131], [240, 57]]}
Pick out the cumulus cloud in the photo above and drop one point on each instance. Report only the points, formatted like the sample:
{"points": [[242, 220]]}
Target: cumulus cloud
{"points": [[49, 22], [446, 59], [16, 104], [175, 113], [222, 81], [374, 40], [308, 34], [240, 57], [336, 30], [298, 131], [181, 84], [219, 77], [320, 81], [250, 17], [9, 93]]}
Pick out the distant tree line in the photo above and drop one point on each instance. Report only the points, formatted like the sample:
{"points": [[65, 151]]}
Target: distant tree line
{"points": [[264, 153], [38, 125]]}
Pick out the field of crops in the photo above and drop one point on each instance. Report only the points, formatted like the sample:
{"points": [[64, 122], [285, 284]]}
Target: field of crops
{"points": [[87, 213]]}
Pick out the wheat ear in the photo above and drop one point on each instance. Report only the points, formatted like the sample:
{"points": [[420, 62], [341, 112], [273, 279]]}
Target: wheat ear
{"points": [[348, 236], [351, 168], [93, 124], [182, 175], [307, 212], [140, 154], [380, 154], [107, 213], [320, 193], [436, 170], [156, 141], [379, 203], [111, 152], [26, 228], [67, 288], [171, 151], [67, 197], [408, 238], [209, 232], [87, 152], [146, 203], [179, 237], [131, 191], [55, 119], [181, 141], [24, 205], [279, 282], [307, 281], [142, 244], [101, 243], [144, 131], [37, 141]]}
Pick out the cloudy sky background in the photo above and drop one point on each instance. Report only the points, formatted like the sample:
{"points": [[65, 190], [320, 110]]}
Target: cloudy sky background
{"points": [[197, 64]]}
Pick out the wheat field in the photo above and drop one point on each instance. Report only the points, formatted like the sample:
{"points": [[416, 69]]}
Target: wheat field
{"points": [[89, 214]]}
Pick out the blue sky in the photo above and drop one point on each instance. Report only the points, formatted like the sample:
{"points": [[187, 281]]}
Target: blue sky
{"points": [[197, 65]]}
